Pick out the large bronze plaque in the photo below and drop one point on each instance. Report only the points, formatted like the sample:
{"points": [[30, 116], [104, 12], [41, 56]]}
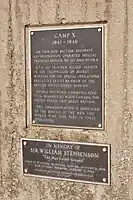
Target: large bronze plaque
{"points": [[67, 76], [81, 162]]}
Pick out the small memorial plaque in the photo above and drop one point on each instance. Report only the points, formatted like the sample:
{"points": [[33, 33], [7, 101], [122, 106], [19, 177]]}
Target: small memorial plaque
{"points": [[66, 76], [73, 161]]}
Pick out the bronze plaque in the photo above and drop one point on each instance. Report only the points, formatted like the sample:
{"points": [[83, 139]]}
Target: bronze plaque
{"points": [[74, 161], [67, 76]]}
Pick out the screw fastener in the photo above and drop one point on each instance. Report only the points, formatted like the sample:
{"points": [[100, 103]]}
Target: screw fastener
{"points": [[104, 180], [99, 125], [99, 29], [25, 170], [24, 143], [104, 149], [32, 33]]}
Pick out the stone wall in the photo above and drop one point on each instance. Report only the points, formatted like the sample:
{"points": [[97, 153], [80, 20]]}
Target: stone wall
{"points": [[117, 15]]}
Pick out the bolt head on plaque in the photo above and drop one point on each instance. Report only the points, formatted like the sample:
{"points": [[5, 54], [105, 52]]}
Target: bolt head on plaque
{"points": [[99, 29], [32, 33], [25, 143], [104, 180], [99, 125], [104, 149], [25, 170]]}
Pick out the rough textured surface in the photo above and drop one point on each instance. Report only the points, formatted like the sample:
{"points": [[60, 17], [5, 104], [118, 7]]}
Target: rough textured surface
{"points": [[14, 15]]}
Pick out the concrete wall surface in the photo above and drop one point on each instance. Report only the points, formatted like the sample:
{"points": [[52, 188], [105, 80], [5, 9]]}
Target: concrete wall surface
{"points": [[118, 16]]}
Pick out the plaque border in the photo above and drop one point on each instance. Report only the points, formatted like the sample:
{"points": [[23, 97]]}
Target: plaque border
{"points": [[64, 179], [28, 31]]}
